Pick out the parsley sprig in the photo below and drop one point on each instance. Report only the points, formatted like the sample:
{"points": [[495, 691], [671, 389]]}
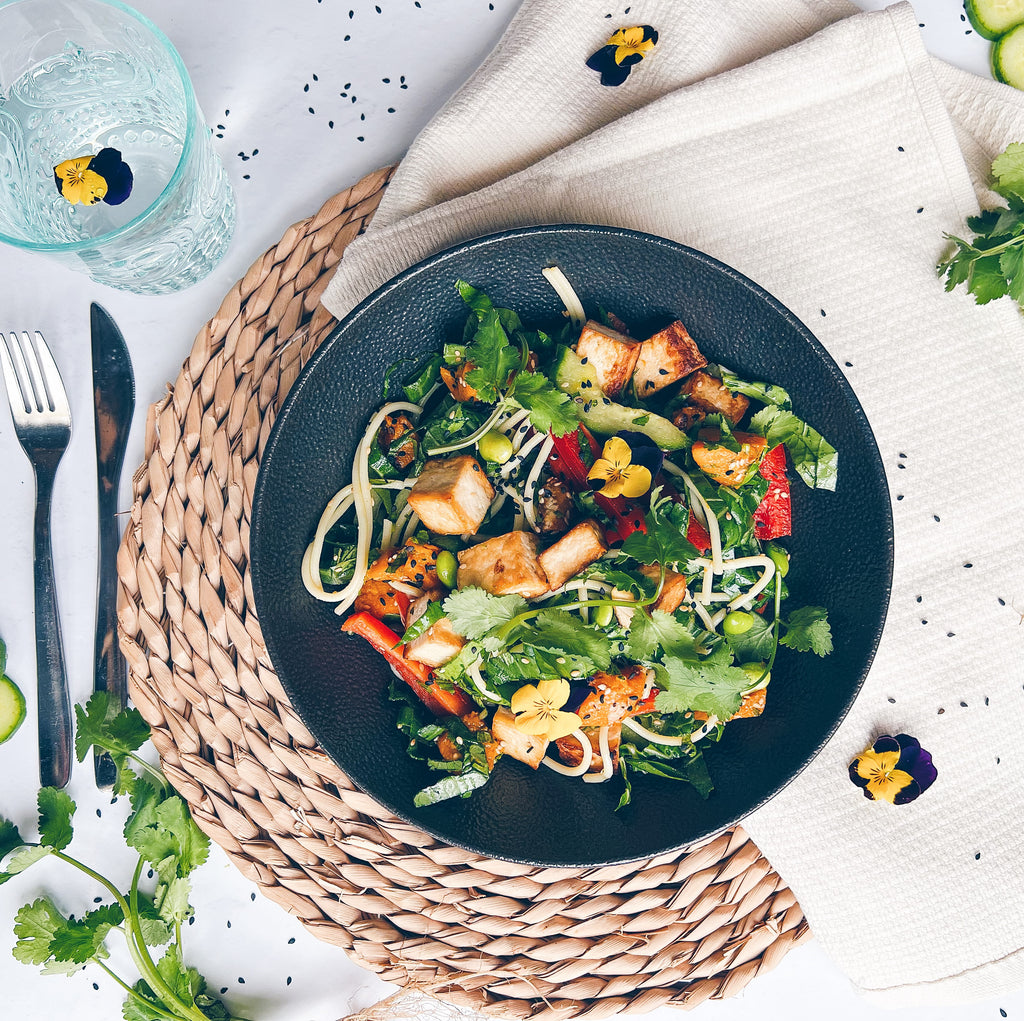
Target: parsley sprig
{"points": [[166, 838], [991, 264]]}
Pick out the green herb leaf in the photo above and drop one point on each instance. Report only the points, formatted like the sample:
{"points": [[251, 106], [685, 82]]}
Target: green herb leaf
{"points": [[79, 941], [100, 725], [493, 358], [755, 645], [473, 612], [10, 838], [665, 541], [712, 686], [35, 925], [450, 787], [56, 810], [551, 410], [560, 631], [807, 630], [1008, 170], [814, 458], [660, 629], [766, 393], [24, 858]]}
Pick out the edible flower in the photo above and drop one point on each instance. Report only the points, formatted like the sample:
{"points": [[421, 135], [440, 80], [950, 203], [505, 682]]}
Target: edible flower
{"points": [[626, 467], [894, 769], [87, 179], [626, 47], [537, 708]]}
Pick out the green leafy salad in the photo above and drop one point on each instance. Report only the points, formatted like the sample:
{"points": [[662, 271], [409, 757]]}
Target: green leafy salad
{"points": [[566, 545]]}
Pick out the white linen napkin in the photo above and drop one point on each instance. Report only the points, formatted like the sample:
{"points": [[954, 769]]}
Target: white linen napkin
{"points": [[822, 153]]}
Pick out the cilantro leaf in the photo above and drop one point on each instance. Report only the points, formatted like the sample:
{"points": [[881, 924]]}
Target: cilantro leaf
{"points": [[23, 858], [79, 941], [56, 810], [814, 458], [665, 540], [100, 725], [1008, 170], [35, 925], [473, 612], [492, 357], [755, 645], [172, 900], [711, 686], [551, 410], [647, 633], [807, 630], [10, 838], [163, 832], [556, 629]]}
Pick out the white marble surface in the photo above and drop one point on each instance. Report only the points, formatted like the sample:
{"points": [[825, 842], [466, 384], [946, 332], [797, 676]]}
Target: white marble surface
{"points": [[273, 76]]}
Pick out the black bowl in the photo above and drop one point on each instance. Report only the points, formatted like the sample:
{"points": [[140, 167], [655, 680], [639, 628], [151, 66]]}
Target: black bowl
{"points": [[842, 549]]}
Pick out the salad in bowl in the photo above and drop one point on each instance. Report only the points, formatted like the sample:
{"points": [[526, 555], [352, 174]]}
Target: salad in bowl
{"points": [[570, 547]]}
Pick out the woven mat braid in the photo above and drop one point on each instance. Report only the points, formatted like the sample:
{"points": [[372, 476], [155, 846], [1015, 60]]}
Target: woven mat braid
{"points": [[509, 940]]}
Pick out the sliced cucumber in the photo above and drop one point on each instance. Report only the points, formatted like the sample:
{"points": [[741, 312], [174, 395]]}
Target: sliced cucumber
{"points": [[604, 416], [1008, 58], [12, 708], [993, 18]]}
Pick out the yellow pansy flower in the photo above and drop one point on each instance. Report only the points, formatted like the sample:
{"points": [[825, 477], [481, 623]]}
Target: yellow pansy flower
{"points": [[617, 472], [77, 183], [538, 709], [630, 42]]}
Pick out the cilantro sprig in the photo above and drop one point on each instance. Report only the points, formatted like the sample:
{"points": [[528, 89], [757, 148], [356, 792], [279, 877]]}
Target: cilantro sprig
{"points": [[166, 839], [991, 264]]}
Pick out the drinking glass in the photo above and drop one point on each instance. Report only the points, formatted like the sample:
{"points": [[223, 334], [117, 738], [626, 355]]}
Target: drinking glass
{"points": [[79, 76]]}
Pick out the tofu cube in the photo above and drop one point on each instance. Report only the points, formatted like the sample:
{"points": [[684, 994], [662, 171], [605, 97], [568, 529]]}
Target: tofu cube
{"points": [[438, 644], [665, 358], [452, 495], [505, 565], [674, 592], [578, 548], [612, 356], [513, 742], [711, 395]]}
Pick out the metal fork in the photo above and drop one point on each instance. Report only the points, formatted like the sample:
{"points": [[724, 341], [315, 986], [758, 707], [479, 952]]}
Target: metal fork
{"points": [[42, 422]]}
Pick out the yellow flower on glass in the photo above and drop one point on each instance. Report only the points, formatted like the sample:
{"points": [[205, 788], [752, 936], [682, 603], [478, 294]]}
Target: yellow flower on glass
{"points": [[77, 183], [617, 473], [538, 709], [884, 780], [635, 41]]}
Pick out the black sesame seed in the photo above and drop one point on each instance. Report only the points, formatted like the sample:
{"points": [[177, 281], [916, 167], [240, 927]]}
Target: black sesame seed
{"points": [[583, 361], [288, 980], [892, 701], [97, 900], [941, 711], [968, 564], [663, 372], [229, 924], [241, 981], [977, 856], [252, 896], [291, 941]]}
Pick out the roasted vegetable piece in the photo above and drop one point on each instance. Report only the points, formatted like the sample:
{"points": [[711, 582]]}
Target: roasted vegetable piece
{"points": [[753, 704], [727, 467], [674, 592], [382, 600], [613, 698], [415, 563], [711, 394], [452, 495], [774, 514], [570, 752], [456, 382], [667, 356], [416, 675], [554, 506], [397, 438]]}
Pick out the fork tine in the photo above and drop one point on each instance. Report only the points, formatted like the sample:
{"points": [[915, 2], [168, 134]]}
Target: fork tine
{"points": [[54, 385], [35, 377], [15, 389]]}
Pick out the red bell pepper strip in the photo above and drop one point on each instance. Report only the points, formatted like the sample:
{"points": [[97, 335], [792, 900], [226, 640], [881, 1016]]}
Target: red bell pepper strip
{"points": [[774, 514], [565, 459], [698, 535], [416, 675]]}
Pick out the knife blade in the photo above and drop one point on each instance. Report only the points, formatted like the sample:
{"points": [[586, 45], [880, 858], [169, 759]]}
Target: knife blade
{"points": [[113, 387]]}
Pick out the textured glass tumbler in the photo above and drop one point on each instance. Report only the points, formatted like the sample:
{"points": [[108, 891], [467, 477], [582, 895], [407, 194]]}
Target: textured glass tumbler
{"points": [[79, 76]]}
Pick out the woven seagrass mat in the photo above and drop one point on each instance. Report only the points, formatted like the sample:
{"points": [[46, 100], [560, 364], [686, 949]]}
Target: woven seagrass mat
{"points": [[506, 939]]}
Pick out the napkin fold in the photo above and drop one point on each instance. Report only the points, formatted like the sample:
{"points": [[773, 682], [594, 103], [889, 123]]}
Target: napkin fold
{"points": [[823, 153]]}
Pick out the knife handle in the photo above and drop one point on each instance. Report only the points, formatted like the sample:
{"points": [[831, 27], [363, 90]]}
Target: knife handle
{"points": [[109, 673]]}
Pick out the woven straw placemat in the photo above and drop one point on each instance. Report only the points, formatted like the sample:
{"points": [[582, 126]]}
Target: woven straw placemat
{"points": [[507, 939]]}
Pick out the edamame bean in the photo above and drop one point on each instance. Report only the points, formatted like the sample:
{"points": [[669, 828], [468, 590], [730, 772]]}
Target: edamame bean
{"points": [[754, 672], [737, 622], [494, 446], [603, 615], [447, 568], [780, 558]]}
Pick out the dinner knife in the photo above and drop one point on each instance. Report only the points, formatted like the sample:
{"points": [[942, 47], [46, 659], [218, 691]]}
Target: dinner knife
{"points": [[113, 388]]}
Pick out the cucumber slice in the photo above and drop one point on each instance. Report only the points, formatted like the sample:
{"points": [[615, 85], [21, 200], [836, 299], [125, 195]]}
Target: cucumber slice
{"points": [[12, 708], [993, 18], [1008, 58], [601, 415]]}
